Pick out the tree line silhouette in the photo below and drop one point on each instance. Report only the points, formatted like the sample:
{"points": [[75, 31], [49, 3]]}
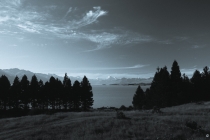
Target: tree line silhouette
{"points": [[54, 95], [171, 89]]}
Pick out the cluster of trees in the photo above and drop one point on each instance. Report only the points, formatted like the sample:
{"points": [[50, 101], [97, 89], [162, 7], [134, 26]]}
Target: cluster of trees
{"points": [[170, 89], [54, 94]]}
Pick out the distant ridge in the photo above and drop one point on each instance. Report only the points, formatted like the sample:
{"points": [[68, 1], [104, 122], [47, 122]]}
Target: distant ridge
{"points": [[11, 73]]}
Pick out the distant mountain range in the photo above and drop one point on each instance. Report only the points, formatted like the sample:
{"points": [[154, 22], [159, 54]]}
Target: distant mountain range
{"points": [[11, 73]]}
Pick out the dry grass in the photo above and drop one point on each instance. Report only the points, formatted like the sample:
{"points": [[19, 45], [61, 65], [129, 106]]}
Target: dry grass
{"points": [[103, 125]]}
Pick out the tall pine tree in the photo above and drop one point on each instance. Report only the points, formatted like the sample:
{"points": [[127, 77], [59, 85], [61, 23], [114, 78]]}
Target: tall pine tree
{"points": [[139, 98], [16, 93], [205, 75], [4, 91], [76, 95], [176, 84], [66, 94], [34, 88], [25, 94], [159, 90], [86, 94], [196, 85]]}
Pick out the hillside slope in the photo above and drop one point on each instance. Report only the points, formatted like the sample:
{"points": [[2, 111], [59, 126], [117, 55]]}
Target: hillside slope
{"points": [[171, 124]]}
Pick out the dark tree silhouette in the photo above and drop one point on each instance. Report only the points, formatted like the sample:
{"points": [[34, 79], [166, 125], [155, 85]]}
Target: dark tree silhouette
{"points": [[196, 85], [186, 90], [86, 94], [46, 90], [16, 93], [159, 90], [66, 94], [205, 75], [59, 92], [139, 98], [52, 89], [4, 91], [76, 95], [148, 98], [22, 95], [41, 97], [171, 89], [34, 88], [25, 94], [176, 84]]}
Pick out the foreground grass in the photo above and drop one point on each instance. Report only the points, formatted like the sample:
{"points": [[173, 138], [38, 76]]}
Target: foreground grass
{"points": [[103, 125]]}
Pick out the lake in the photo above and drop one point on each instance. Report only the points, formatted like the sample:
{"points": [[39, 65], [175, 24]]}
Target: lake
{"points": [[114, 95]]}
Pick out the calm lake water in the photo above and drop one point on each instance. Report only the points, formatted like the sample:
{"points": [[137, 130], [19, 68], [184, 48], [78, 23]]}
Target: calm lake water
{"points": [[113, 95]]}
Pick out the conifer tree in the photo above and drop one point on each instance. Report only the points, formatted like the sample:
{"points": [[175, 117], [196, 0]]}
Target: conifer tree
{"points": [[69, 94], [159, 90], [66, 94], [196, 85], [176, 80], [139, 98], [58, 92], [4, 91], [186, 90], [41, 97], [52, 92], [34, 88], [16, 93], [205, 75], [25, 95], [46, 90], [175, 73], [86, 94], [76, 95]]}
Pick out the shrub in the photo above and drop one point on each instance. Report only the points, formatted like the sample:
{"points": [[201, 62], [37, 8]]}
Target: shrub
{"points": [[123, 108], [193, 125], [120, 115], [156, 110]]}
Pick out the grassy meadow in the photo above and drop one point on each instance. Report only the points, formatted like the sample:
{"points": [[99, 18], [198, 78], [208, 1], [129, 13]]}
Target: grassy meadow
{"points": [[141, 125]]}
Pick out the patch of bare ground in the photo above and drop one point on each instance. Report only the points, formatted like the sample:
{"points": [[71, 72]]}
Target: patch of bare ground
{"points": [[185, 122]]}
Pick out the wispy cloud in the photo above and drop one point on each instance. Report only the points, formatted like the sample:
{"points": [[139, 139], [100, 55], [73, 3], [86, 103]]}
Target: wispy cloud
{"points": [[89, 18], [138, 66], [32, 19], [198, 46], [120, 37], [31, 30], [70, 9]]}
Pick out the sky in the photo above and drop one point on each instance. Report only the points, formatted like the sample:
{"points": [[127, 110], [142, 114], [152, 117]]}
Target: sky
{"points": [[101, 38]]}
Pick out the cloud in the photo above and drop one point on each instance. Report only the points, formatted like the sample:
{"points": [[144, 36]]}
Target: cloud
{"points": [[3, 19], [28, 29], [165, 42], [137, 66], [32, 19], [105, 68], [119, 37], [198, 46], [89, 18], [70, 9]]}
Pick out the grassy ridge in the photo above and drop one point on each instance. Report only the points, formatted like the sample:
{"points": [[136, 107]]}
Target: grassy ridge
{"points": [[171, 125]]}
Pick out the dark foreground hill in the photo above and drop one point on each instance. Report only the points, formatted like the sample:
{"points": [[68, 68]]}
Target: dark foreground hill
{"points": [[190, 121]]}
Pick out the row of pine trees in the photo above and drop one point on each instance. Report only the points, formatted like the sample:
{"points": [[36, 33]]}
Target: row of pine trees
{"points": [[54, 94], [171, 89]]}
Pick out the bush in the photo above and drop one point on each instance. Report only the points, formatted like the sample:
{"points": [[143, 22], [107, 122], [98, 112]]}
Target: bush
{"points": [[123, 108], [120, 115], [193, 125], [156, 110]]}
